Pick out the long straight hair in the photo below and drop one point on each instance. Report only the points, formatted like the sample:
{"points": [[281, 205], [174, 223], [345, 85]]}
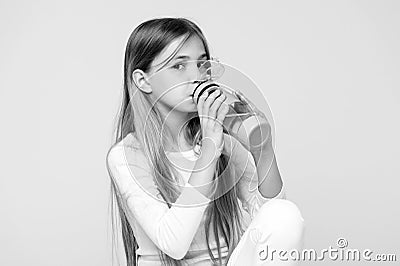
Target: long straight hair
{"points": [[144, 44]]}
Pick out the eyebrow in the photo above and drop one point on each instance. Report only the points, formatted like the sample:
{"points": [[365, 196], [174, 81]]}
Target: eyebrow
{"points": [[187, 57]]}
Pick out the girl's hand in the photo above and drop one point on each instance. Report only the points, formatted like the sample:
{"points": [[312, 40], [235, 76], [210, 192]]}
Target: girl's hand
{"points": [[252, 106], [212, 110], [261, 116]]}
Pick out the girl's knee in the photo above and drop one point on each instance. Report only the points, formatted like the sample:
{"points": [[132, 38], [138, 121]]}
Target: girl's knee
{"points": [[279, 225], [282, 213]]}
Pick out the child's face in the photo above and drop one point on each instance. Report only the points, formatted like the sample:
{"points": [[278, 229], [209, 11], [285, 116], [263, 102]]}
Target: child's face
{"points": [[172, 85]]}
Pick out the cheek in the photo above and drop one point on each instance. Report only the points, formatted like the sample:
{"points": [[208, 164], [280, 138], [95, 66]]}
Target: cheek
{"points": [[168, 87], [163, 83]]}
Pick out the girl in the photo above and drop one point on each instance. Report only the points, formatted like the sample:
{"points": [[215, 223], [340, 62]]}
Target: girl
{"points": [[170, 216]]}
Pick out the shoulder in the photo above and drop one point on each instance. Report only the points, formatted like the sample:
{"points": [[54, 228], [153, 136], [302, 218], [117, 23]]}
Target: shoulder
{"points": [[129, 168], [128, 150]]}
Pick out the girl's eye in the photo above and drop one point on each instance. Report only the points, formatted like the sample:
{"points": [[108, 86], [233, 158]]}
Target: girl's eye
{"points": [[201, 63], [178, 66]]}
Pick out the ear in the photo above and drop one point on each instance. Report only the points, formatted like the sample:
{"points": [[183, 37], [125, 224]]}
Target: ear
{"points": [[140, 80]]}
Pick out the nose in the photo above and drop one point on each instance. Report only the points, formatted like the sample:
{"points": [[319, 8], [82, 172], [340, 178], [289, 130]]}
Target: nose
{"points": [[195, 73]]}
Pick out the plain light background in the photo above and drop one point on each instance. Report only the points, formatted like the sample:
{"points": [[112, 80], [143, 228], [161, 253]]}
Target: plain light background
{"points": [[328, 69]]}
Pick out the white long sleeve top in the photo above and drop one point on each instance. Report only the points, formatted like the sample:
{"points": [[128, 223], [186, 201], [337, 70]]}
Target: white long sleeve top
{"points": [[177, 231]]}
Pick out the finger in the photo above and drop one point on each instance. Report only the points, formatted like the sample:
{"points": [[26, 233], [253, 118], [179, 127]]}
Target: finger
{"points": [[207, 104], [218, 99], [200, 106], [222, 112], [250, 104], [244, 99]]}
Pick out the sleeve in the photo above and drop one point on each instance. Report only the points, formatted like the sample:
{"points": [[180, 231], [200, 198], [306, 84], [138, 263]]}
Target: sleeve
{"points": [[246, 171], [171, 229]]}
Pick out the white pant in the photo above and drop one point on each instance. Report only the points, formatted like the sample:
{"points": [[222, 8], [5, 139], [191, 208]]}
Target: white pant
{"points": [[277, 226]]}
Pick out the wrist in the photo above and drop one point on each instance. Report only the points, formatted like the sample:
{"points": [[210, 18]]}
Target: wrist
{"points": [[209, 149]]}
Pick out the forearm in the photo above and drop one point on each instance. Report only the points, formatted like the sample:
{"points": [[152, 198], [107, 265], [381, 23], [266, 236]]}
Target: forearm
{"points": [[203, 173], [269, 179]]}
